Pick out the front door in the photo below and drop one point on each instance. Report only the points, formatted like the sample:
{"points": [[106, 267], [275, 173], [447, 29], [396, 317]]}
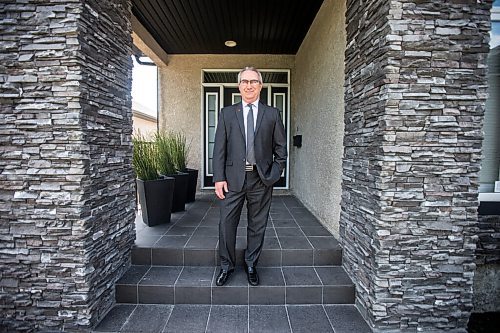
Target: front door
{"points": [[218, 95], [232, 95]]}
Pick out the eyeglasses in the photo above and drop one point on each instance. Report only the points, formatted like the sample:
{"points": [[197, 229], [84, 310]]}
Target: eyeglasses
{"points": [[252, 82]]}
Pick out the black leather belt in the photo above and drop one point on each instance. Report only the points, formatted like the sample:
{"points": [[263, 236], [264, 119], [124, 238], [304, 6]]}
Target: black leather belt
{"points": [[249, 167]]}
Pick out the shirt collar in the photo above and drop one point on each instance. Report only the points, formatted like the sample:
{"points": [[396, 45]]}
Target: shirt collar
{"points": [[254, 104]]}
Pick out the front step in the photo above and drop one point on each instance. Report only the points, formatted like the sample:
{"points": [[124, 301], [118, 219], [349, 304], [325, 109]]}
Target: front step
{"points": [[202, 251], [294, 237], [177, 263], [196, 285], [171, 288]]}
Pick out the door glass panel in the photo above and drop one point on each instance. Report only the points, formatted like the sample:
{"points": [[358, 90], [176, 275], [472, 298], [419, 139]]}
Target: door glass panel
{"points": [[279, 102], [210, 158], [211, 133], [236, 98], [211, 118], [212, 102]]}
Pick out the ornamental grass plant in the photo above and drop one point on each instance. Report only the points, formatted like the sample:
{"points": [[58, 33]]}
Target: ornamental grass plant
{"points": [[144, 158], [179, 150], [165, 162]]}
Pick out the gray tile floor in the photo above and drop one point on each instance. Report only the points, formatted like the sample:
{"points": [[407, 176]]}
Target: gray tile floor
{"points": [[190, 241], [233, 319], [293, 237], [290, 225]]}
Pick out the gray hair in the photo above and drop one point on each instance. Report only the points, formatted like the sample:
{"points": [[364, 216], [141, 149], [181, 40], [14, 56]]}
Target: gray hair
{"points": [[249, 68]]}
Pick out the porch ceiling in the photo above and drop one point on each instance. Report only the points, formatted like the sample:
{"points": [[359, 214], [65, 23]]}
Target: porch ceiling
{"points": [[202, 26]]}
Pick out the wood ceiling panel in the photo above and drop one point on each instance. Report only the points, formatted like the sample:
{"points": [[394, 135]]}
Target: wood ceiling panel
{"points": [[202, 26]]}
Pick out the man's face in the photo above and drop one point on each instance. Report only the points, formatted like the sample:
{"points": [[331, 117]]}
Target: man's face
{"points": [[250, 86]]}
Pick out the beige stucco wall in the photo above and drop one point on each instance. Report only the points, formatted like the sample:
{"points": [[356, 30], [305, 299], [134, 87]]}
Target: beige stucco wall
{"points": [[180, 91], [317, 114], [146, 127]]}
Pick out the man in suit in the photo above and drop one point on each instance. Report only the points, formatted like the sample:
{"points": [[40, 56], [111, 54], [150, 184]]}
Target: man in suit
{"points": [[249, 156]]}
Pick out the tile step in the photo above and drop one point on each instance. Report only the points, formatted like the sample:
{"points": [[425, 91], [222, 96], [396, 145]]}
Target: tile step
{"points": [[143, 284], [210, 257], [330, 254]]}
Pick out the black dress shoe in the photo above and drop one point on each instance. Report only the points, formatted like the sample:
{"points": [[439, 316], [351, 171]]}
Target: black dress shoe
{"points": [[223, 277], [253, 277]]}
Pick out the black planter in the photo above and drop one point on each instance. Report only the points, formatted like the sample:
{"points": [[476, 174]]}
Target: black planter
{"points": [[155, 197], [193, 180], [180, 191]]}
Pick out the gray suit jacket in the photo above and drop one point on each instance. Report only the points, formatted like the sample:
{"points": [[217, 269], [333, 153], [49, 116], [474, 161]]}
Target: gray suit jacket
{"points": [[230, 150]]}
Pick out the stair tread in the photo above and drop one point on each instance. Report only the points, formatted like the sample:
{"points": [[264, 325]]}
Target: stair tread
{"points": [[207, 240], [196, 285], [204, 276]]}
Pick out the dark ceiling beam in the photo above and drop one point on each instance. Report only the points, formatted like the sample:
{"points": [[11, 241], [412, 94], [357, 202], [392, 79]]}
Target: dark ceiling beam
{"points": [[145, 42]]}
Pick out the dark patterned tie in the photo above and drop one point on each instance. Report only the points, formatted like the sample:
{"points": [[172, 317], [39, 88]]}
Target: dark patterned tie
{"points": [[250, 136]]}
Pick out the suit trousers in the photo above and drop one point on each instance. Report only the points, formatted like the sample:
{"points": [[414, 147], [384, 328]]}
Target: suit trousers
{"points": [[258, 198]]}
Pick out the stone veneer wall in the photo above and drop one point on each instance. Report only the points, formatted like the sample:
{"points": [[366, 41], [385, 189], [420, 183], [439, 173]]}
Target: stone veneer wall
{"points": [[414, 100], [66, 183]]}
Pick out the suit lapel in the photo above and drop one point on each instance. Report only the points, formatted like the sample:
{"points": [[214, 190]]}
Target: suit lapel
{"points": [[239, 116], [260, 115]]}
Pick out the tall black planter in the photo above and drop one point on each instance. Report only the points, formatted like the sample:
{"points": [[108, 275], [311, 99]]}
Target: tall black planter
{"points": [[155, 197], [180, 191], [193, 180]]}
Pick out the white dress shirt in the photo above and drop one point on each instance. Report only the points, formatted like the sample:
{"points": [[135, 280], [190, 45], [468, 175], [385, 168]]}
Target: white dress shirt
{"points": [[255, 109]]}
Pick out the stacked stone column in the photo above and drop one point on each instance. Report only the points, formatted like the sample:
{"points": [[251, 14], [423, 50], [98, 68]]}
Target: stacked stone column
{"points": [[415, 92], [66, 183]]}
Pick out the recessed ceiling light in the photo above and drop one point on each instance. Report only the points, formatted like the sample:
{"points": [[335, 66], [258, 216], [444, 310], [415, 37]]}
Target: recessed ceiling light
{"points": [[230, 43]]}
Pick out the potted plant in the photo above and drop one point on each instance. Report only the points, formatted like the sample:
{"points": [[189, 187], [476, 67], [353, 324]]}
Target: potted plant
{"points": [[166, 166], [180, 152], [155, 193]]}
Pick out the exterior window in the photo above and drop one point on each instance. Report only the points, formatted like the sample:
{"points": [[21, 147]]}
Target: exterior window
{"points": [[490, 165], [144, 96]]}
